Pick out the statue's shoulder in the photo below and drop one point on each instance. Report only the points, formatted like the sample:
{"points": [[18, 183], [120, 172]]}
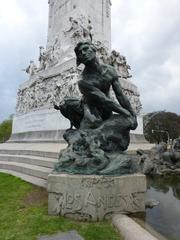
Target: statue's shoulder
{"points": [[110, 70]]}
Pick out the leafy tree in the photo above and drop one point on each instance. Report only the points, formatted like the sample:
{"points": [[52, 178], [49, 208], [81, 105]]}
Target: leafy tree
{"points": [[159, 126], [5, 130]]}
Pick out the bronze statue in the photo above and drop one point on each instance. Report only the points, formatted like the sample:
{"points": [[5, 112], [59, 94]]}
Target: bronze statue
{"points": [[103, 125], [95, 88]]}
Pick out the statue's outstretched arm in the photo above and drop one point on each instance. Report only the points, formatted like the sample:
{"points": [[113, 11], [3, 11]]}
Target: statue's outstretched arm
{"points": [[122, 99], [93, 93]]}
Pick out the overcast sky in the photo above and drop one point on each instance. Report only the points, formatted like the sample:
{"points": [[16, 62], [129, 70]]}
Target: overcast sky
{"points": [[147, 32]]}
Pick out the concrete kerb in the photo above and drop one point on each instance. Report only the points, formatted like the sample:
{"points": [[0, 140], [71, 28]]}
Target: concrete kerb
{"points": [[129, 229]]}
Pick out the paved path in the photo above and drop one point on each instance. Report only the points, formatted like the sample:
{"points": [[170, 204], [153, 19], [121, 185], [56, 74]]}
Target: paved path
{"points": [[131, 230], [72, 235]]}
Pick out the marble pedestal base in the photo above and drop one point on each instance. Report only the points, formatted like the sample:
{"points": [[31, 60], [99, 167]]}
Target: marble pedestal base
{"points": [[48, 125], [42, 125], [93, 198]]}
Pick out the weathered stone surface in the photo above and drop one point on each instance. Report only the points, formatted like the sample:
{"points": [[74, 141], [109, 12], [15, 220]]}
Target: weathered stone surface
{"points": [[43, 120], [95, 198], [72, 235]]}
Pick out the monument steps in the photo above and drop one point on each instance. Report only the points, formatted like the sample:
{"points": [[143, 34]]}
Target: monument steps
{"points": [[31, 166], [32, 160], [32, 170], [30, 152]]}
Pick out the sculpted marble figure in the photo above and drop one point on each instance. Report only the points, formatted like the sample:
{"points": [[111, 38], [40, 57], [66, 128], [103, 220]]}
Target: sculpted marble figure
{"points": [[120, 64], [80, 29], [102, 125], [31, 69]]}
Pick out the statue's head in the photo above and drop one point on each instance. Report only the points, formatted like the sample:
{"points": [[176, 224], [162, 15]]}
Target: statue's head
{"points": [[85, 52]]}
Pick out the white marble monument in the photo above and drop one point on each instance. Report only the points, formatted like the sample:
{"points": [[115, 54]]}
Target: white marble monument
{"points": [[56, 74]]}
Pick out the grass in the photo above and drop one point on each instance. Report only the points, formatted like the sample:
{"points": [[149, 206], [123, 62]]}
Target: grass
{"points": [[23, 215]]}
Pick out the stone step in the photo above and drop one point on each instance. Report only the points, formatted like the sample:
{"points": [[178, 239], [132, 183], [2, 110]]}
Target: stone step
{"points": [[34, 180], [33, 160], [30, 152], [28, 169]]}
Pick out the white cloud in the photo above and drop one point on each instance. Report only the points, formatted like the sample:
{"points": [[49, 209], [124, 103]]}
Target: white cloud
{"points": [[11, 14], [23, 27], [147, 33]]}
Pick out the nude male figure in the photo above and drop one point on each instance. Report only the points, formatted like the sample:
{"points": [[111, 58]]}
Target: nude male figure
{"points": [[95, 83]]}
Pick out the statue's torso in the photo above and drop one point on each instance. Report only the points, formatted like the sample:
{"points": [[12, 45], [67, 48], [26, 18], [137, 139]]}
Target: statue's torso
{"points": [[101, 80]]}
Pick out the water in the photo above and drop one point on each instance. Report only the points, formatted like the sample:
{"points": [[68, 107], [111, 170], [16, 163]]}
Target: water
{"points": [[165, 218]]}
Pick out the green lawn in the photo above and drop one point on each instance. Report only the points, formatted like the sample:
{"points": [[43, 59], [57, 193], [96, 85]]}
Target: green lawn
{"points": [[23, 215]]}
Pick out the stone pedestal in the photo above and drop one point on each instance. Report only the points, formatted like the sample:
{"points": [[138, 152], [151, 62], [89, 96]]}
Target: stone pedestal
{"points": [[93, 198], [42, 125]]}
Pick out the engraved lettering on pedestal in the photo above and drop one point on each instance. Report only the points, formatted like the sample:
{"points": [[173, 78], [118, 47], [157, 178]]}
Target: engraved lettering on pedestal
{"points": [[98, 182], [69, 201], [31, 123], [137, 199], [58, 206], [121, 201], [102, 202], [90, 200], [78, 202], [110, 201]]}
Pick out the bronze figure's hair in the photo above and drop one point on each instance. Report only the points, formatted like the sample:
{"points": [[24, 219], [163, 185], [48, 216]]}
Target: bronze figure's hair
{"points": [[76, 50]]}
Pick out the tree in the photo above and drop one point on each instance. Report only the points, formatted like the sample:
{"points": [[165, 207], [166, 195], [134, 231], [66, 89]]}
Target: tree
{"points": [[5, 130], [161, 126]]}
